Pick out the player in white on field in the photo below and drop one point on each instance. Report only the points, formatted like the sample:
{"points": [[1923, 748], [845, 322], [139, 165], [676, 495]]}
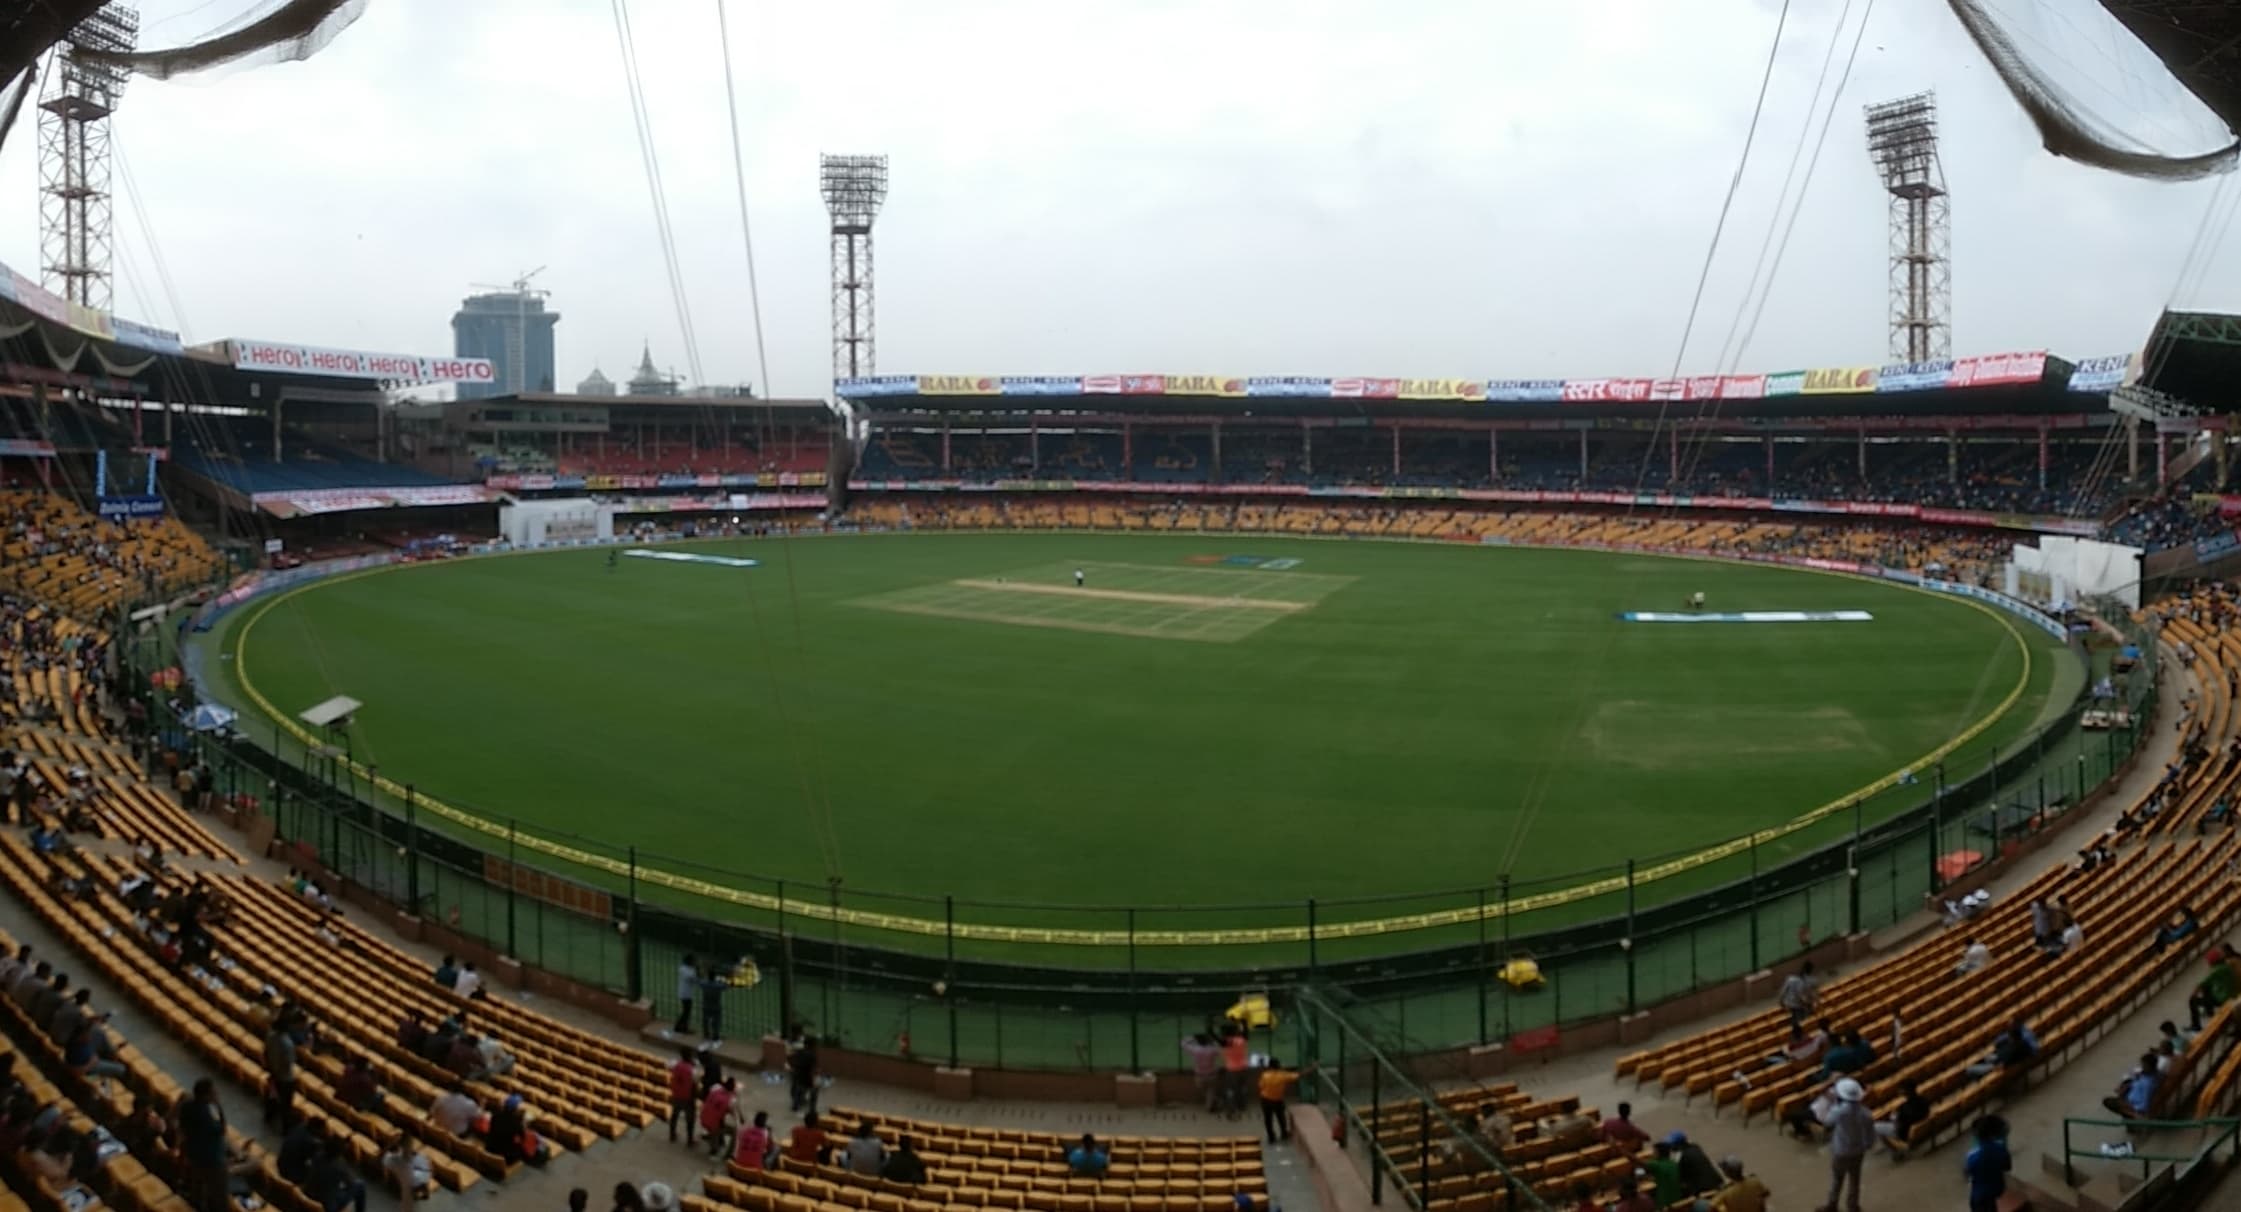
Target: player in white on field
{"points": [[1078, 578]]}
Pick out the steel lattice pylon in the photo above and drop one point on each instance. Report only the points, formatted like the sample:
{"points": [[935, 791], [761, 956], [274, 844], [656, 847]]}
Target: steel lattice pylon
{"points": [[1903, 139], [854, 187], [75, 101]]}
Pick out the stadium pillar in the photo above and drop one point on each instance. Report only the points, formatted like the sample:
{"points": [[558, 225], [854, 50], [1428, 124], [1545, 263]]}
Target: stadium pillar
{"points": [[1216, 470], [1852, 862], [1377, 1125], [1034, 445], [1493, 454], [1482, 964], [1128, 451], [949, 976], [634, 981], [1673, 454], [1754, 895], [2042, 458], [1306, 447], [513, 882], [1505, 885], [1860, 445], [1135, 1059], [2132, 449], [412, 853], [1769, 485], [1952, 456], [1627, 944], [1396, 452], [1583, 456]]}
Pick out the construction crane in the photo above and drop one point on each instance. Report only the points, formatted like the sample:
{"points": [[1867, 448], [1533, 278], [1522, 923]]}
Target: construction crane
{"points": [[517, 339]]}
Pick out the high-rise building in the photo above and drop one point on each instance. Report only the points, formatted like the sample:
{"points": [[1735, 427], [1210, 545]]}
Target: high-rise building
{"points": [[514, 330], [649, 381]]}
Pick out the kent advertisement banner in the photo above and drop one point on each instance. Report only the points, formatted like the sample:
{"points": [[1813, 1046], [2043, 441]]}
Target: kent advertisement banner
{"points": [[1525, 391], [2101, 374], [1915, 376]]}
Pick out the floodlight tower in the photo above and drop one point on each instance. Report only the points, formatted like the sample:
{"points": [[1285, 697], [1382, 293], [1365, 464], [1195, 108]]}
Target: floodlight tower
{"points": [[1903, 140], [75, 102], [854, 187]]}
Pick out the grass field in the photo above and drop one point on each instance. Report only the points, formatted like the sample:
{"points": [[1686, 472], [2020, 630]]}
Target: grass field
{"points": [[1205, 719]]}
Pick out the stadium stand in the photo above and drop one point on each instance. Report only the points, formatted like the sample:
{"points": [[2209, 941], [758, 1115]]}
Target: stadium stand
{"points": [[2159, 865], [57, 552], [1002, 1168], [240, 453], [1972, 555]]}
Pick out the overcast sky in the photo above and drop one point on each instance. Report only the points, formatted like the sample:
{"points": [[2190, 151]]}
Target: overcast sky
{"points": [[1412, 187]]}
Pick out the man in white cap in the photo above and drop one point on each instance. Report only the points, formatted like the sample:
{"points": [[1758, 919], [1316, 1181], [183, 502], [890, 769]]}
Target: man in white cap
{"points": [[1851, 1136]]}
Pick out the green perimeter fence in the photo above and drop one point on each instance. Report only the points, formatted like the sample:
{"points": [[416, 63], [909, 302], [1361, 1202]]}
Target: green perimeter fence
{"points": [[943, 992]]}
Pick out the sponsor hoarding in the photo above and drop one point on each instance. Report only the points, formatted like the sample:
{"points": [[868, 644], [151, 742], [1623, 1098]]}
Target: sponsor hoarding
{"points": [[121, 509], [2101, 374], [1526, 391], [1915, 376], [956, 385], [1992, 370], [358, 364], [1038, 385], [1288, 386], [1202, 385], [1842, 380], [879, 385], [1442, 389]]}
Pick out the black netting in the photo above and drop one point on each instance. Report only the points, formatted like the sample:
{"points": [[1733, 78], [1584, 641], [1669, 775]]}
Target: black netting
{"points": [[2067, 127], [282, 32]]}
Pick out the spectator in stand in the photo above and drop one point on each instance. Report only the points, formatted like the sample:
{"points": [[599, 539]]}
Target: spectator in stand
{"points": [[1206, 1067], [454, 1111], [688, 984], [1851, 1135], [716, 1121], [202, 1148], [806, 1143], [1665, 1172], [1740, 1192], [469, 984], [1852, 1056], [1088, 1159], [1275, 1084], [356, 1087], [1799, 995], [280, 1072], [415, 1179], [1621, 1130], [333, 1182], [1898, 1131], [299, 1147], [627, 1199], [756, 1148], [2215, 989], [683, 1101], [1698, 1175], [865, 1154], [2136, 1094], [2013, 1049], [904, 1165], [801, 1069], [447, 973], [1236, 1059], [1974, 956], [1987, 1164]]}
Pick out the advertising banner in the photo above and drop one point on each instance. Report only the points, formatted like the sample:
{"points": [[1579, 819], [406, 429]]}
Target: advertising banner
{"points": [[1915, 376], [1703, 387], [1203, 385], [1526, 391], [357, 364], [2216, 546], [2101, 374], [1101, 385], [1597, 391], [1992, 370], [1843, 380], [1037, 385], [26, 448], [307, 502], [1442, 389], [123, 509], [1143, 385], [956, 385], [879, 385], [1787, 383], [1742, 387], [91, 322], [1298, 387], [36, 299], [1669, 389], [1365, 389], [142, 336]]}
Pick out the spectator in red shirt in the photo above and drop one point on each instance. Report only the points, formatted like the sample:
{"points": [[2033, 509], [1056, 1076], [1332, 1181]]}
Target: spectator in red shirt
{"points": [[807, 1141], [1621, 1130], [683, 1080]]}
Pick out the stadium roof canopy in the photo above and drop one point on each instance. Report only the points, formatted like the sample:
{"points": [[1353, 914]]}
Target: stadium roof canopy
{"points": [[667, 403], [2196, 357], [2199, 40], [27, 30]]}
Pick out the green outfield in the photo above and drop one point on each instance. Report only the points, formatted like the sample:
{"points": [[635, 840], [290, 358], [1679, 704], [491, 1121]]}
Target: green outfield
{"points": [[1200, 720]]}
